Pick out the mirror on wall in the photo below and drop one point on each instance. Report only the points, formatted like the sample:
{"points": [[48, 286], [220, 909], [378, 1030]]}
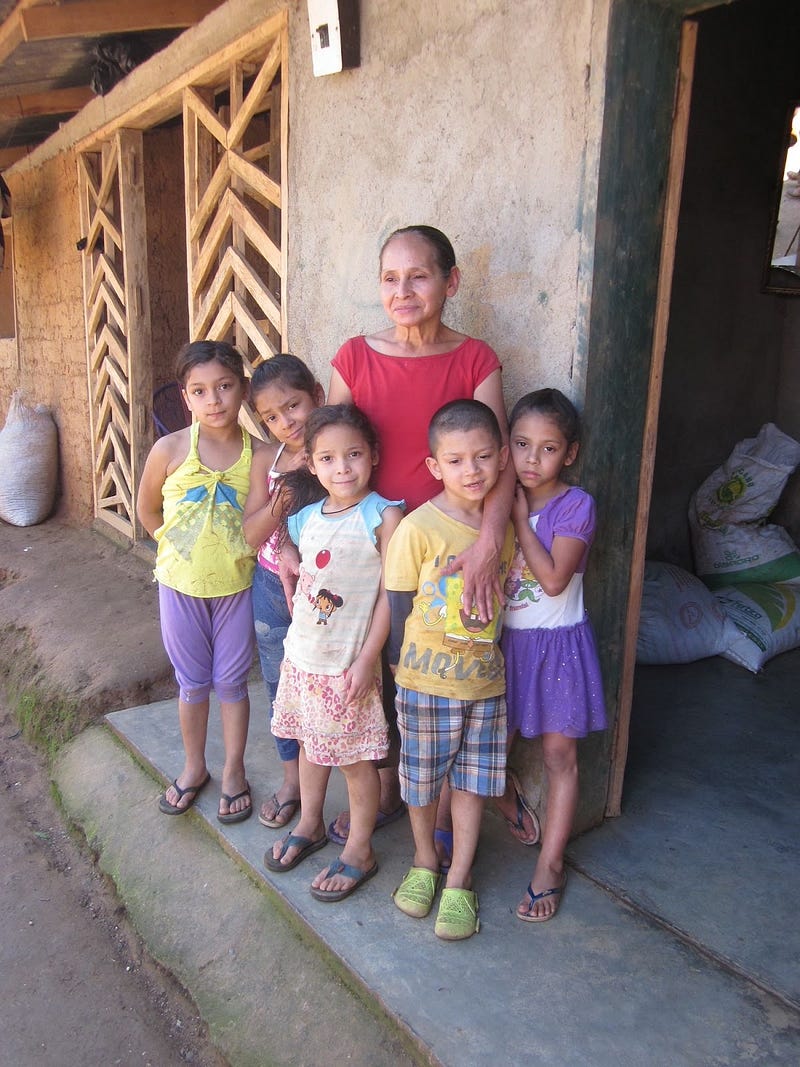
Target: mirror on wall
{"points": [[783, 264]]}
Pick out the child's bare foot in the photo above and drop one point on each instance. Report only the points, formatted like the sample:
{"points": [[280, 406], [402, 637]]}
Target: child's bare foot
{"points": [[518, 812], [543, 895]]}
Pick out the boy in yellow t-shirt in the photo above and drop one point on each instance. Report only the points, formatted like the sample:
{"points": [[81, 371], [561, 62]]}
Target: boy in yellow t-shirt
{"points": [[448, 665]]}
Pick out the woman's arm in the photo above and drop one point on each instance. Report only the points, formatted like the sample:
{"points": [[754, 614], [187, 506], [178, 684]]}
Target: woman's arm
{"points": [[338, 390], [480, 563], [260, 519], [362, 670]]}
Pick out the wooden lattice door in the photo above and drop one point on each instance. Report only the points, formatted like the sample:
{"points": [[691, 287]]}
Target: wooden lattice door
{"points": [[117, 317], [234, 157]]}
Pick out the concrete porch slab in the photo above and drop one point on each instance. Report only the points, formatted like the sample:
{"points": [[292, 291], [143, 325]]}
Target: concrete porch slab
{"points": [[600, 985]]}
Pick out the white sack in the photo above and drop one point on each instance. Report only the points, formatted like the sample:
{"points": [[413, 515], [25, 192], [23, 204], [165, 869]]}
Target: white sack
{"points": [[28, 463], [680, 620], [768, 618], [730, 538]]}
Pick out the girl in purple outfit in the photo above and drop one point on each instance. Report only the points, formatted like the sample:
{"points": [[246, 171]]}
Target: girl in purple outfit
{"points": [[553, 684]]}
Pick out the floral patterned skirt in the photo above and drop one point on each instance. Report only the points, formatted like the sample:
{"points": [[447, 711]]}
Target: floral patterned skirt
{"points": [[311, 708]]}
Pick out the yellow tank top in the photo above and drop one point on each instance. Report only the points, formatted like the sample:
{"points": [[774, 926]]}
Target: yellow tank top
{"points": [[201, 547]]}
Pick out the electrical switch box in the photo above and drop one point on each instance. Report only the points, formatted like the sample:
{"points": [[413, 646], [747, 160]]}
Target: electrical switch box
{"points": [[334, 26]]}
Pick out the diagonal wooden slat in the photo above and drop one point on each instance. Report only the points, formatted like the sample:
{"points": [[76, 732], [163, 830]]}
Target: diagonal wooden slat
{"points": [[204, 114], [103, 225], [258, 90], [252, 328], [87, 179], [223, 320], [210, 198], [261, 186], [228, 243], [255, 286], [217, 291], [211, 248], [106, 303], [255, 233]]}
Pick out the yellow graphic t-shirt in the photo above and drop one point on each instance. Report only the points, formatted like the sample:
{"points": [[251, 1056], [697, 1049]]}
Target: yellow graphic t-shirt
{"points": [[447, 651]]}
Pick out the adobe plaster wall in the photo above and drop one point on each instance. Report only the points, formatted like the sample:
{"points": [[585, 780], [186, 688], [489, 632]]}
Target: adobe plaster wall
{"points": [[50, 365], [483, 119]]}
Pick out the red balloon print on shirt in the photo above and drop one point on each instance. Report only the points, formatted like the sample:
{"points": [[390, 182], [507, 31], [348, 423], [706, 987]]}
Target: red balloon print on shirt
{"points": [[323, 558]]}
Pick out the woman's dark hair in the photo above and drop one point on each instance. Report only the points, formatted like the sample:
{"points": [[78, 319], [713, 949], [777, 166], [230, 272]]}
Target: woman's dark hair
{"points": [[338, 415], [555, 405], [197, 352], [283, 367], [443, 252]]}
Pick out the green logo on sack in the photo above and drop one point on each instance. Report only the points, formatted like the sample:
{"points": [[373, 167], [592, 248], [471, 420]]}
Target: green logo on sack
{"points": [[730, 492]]}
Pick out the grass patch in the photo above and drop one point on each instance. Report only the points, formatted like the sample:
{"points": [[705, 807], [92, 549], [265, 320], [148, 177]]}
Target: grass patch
{"points": [[47, 719]]}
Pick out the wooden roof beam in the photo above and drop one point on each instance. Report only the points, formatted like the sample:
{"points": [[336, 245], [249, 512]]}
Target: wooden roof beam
{"points": [[54, 102], [9, 156], [98, 18]]}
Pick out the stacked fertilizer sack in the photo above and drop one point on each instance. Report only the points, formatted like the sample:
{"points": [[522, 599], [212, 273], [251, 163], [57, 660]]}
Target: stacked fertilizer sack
{"points": [[752, 566]]}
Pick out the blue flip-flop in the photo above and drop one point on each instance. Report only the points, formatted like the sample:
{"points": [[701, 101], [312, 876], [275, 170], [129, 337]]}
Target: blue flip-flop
{"points": [[523, 805], [337, 867], [305, 845], [556, 891], [444, 837]]}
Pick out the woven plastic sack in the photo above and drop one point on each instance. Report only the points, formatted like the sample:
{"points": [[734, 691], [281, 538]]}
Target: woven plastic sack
{"points": [[28, 463], [768, 618], [731, 539], [680, 619]]}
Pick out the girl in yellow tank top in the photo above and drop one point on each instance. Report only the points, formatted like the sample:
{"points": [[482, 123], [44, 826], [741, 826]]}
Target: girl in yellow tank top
{"points": [[191, 500]]}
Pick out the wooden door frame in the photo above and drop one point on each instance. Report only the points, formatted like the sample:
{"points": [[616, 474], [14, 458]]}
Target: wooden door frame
{"points": [[648, 84]]}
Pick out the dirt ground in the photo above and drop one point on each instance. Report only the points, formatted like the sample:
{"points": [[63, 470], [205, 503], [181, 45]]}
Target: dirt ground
{"points": [[76, 985]]}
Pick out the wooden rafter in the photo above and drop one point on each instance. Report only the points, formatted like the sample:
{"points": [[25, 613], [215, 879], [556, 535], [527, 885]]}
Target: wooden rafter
{"points": [[54, 102], [89, 18]]}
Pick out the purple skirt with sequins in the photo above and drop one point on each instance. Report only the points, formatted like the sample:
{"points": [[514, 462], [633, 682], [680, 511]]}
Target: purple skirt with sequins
{"points": [[553, 682]]}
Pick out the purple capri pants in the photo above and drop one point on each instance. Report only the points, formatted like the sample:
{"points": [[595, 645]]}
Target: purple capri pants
{"points": [[209, 642]]}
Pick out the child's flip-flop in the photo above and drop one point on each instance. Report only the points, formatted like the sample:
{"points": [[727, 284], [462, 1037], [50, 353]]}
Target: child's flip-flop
{"points": [[523, 805], [236, 816], [337, 867], [445, 839], [556, 892], [283, 812], [173, 809], [305, 845], [383, 819]]}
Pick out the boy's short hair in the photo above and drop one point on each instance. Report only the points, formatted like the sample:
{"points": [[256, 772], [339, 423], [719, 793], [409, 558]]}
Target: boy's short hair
{"points": [[462, 416]]}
